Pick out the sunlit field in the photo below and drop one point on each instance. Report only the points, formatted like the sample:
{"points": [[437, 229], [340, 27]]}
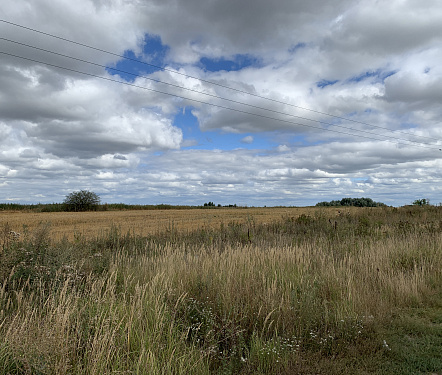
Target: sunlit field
{"points": [[143, 222], [222, 291]]}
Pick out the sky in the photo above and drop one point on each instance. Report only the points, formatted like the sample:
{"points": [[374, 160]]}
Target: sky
{"points": [[251, 102]]}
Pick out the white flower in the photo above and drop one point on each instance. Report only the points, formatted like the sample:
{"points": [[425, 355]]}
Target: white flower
{"points": [[386, 345]]}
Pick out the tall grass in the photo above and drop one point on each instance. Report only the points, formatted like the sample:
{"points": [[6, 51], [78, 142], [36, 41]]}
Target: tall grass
{"points": [[303, 294]]}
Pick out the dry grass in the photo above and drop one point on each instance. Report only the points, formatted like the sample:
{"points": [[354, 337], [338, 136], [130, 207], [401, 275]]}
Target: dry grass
{"points": [[302, 294], [142, 222]]}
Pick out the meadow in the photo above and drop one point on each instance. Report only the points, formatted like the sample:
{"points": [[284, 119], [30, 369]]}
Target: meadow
{"points": [[222, 291]]}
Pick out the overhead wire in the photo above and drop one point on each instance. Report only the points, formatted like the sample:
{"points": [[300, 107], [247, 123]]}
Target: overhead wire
{"points": [[396, 139], [208, 94], [206, 81], [211, 104]]}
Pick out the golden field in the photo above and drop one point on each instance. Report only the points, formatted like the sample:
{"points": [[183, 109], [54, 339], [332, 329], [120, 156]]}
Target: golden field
{"points": [[238, 291], [146, 222]]}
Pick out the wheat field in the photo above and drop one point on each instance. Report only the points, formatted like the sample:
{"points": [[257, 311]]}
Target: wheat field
{"points": [[145, 222]]}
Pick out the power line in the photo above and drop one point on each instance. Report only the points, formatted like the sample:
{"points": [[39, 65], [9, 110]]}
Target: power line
{"points": [[208, 81], [207, 94], [211, 104]]}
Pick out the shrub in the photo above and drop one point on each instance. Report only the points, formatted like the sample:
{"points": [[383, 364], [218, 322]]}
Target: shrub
{"points": [[421, 202], [356, 202], [82, 200]]}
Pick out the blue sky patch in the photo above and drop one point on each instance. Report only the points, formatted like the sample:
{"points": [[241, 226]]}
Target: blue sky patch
{"points": [[296, 47], [206, 140], [221, 64], [379, 75], [154, 54], [324, 83]]}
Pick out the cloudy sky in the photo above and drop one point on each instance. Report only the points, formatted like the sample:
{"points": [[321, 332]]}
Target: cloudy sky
{"points": [[253, 102]]}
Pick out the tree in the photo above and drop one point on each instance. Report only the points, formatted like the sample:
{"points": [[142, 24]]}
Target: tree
{"points": [[421, 202], [356, 202], [82, 200]]}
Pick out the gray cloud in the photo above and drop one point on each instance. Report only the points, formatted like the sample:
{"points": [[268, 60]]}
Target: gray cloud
{"points": [[375, 63], [225, 28], [388, 28]]}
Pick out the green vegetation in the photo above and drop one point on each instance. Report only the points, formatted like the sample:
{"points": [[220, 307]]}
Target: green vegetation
{"points": [[355, 202], [421, 202], [83, 200], [358, 293], [40, 207], [61, 207]]}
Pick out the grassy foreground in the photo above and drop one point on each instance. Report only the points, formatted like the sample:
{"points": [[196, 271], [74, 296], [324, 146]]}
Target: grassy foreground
{"points": [[358, 293]]}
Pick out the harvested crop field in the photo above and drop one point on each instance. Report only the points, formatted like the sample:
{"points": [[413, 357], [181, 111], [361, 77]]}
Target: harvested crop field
{"points": [[222, 291], [144, 222]]}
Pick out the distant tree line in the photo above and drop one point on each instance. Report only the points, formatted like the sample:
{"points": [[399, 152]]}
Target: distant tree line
{"points": [[85, 200], [355, 202], [211, 204], [39, 207]]}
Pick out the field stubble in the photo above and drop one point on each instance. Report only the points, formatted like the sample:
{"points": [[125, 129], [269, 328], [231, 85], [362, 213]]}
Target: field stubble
{"points": [[143, 222]]}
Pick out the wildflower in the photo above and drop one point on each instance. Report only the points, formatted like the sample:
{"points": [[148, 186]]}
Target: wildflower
{"points": [[386, 345], [14, 235]]}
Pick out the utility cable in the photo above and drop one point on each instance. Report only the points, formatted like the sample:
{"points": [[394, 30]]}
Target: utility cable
{"points": [[211, 104], [205, 93], [206, 81]]}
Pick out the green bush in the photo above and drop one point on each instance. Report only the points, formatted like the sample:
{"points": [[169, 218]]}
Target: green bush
{"points": [[421, 202], [356, 202], [82, 200]]}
